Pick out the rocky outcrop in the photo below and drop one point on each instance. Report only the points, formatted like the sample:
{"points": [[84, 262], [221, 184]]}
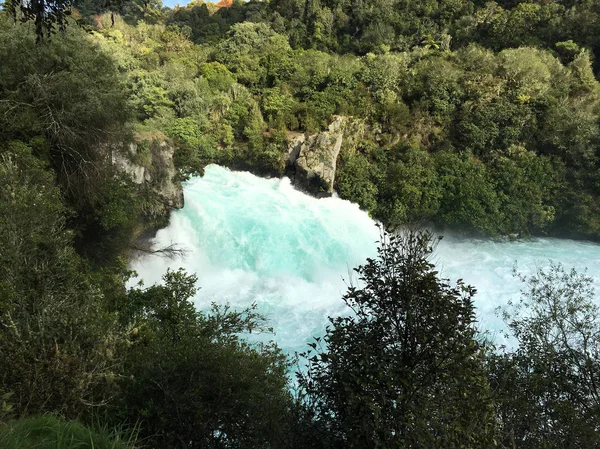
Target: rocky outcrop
{"points": [[150, 165], [164, 177], [311, 159], [124, 165]]}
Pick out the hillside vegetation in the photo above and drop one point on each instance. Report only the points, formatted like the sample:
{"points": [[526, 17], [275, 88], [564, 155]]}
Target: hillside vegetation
{"points": [[490, 139], [470, 116]]}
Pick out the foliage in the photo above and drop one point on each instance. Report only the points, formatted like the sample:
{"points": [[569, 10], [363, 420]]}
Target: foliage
{"points": [[467, 115], [66, 99], [52, 432], [68, 92], [191, 378], [469, 196], [405, 369], [354, 180], [58, 347], [469, 140], [46, 15], [410, 191], [6, 407], [254, 53], [526, 186], [546, 389]]}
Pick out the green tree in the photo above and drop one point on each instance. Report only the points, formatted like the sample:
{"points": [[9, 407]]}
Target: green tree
{"points": [[410, 191], [46, 15], [58, 346], [526, 185], [193, 381], [469, 199], [355, 180], [254, 53], [405, 369], [547, 389], [67, 100]]}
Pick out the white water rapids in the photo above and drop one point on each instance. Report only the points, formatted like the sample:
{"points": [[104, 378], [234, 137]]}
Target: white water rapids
{"points": [[258, 240]]}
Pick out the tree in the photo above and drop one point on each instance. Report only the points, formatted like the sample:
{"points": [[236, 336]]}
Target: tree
{"points": [[547, 390], [69, 91], [469, 200], [66, 99], [355, 180], [193, 381], [404, 370], [254, 53], [58, 346], [525, 186], [47, 15], [50, 16], [410, 191]]}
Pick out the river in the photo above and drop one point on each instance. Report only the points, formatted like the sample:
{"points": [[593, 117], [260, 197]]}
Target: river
{"points": [[254, 240]]}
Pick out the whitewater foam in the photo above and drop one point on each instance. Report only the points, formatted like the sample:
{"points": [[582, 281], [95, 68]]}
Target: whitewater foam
{"points": [[254, 240]]}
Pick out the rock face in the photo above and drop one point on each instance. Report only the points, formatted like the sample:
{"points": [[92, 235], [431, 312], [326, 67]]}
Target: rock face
{"points": [[150, 165], [167, 185], [311, 160], [124, 165]]}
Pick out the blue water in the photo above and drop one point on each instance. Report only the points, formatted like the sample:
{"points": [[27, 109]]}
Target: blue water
{"points": [[253, 240]]}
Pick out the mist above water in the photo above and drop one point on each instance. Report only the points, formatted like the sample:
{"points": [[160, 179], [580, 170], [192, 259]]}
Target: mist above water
{"points": [[254, 240]]}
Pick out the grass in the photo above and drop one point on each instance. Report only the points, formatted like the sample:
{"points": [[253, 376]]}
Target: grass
{"points": [[51, 432]]}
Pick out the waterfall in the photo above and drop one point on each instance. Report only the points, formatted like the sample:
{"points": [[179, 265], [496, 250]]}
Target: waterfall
{"points": [[254, 240]]}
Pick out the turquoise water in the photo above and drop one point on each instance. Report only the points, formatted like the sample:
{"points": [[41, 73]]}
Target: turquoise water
{"points": [[253, 240]]}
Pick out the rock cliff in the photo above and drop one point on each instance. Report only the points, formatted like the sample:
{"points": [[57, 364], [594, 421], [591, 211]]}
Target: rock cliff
{"points": [[150, 165], [311, 159]]}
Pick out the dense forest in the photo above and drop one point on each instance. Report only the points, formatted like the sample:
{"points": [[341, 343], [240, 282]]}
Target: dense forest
{"points": [[470, 116]]}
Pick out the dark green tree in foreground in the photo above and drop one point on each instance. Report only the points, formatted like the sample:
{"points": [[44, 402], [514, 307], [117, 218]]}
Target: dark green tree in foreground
{"points": [[192, 381], [405, 370], [50, 16], [547, 390]]}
